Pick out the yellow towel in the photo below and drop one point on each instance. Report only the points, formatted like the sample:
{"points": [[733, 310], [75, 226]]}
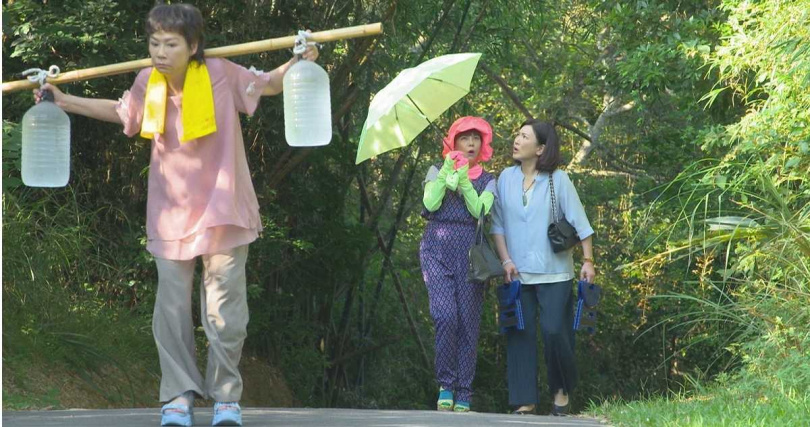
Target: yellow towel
{"points": [[198, 104]]}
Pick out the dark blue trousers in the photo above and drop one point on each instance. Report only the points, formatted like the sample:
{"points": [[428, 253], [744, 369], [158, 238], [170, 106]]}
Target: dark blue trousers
{"points": [[555, 304]]}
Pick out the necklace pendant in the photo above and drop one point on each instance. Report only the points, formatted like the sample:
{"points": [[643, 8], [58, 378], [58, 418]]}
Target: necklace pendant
{"points": [[524, 199]]}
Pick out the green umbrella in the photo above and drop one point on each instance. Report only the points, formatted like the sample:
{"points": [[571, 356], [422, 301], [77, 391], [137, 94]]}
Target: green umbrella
{"points": [[413, 100]]}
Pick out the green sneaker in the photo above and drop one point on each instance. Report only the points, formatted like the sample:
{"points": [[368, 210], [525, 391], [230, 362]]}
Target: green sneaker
{"points": [[461, 406], [445, 402]]}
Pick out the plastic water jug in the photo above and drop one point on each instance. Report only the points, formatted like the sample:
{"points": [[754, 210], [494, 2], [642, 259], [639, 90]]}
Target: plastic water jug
{"points": [[307, 105], [45, 145]]}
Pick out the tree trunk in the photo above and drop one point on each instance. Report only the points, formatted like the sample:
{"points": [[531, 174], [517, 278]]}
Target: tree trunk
{"points": [[611, 108], [507, 90]]}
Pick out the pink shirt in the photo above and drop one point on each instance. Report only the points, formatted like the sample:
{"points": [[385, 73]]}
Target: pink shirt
{"points": [[200, 199]]}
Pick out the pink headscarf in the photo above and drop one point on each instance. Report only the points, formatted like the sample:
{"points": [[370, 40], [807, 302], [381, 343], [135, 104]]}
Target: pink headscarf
{"points": [[464, 124]]}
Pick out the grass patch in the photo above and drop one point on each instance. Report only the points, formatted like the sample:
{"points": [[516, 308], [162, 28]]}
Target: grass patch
{"points": [[49, 385], [41, 385], [718, 406], [772, 387], [102, 359]]}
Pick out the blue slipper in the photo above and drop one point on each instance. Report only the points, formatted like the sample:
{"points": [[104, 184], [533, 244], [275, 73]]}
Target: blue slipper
{"points": [[461, 406], [174, 414], [227, 414], [445, 402]]}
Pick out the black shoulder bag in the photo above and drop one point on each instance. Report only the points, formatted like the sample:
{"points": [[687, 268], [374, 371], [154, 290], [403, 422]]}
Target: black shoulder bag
{"points": [[561, 233], [484, 264]]}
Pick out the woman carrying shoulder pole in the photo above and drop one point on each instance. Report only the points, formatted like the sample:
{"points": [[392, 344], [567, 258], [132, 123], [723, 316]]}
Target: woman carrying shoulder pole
{"points": [[200, 203]]}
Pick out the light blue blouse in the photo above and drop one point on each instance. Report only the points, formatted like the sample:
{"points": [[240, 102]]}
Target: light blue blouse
{"points": [[526, 230]]}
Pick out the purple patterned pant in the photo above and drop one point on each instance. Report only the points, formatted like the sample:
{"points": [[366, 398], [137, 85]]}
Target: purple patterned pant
{"points": [[455, 304]]}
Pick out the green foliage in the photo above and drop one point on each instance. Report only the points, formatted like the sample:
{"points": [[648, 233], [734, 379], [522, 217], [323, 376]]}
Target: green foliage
{"points": [[744, 219], [716, 406], [772, 389], [715, 251], [12, 150], [76, 281], [52, 313]]}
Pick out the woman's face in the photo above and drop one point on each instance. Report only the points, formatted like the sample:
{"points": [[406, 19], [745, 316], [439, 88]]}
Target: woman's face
{"points": [[526, 146], [469, 143], [170, 53]]}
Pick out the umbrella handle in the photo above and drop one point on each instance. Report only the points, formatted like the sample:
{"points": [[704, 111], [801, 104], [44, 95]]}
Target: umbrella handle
{"points": [[446, 145], [430, 123], [441, 136]]}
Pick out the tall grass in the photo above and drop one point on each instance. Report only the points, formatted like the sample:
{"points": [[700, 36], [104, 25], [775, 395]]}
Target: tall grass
{"points": [[67, 303], [747, 236]]}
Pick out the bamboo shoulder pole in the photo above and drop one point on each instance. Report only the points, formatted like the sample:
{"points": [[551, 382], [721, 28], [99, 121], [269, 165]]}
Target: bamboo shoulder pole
{"points": [[217, 52]]}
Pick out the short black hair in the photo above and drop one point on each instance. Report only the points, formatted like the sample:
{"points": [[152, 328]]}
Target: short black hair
{"points": [[180, 18]]}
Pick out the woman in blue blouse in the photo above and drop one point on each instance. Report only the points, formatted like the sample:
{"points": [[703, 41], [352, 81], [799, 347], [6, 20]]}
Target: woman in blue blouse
{"points": [[521, 216]]}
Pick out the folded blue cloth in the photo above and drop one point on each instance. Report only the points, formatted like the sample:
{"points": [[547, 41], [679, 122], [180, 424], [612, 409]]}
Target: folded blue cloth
{"points": [[510, 310], [588, 296]]}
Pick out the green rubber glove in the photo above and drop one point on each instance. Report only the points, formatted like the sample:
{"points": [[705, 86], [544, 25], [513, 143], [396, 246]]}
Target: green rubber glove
{"points": [[434, 194], [452, 181], [434, 190], [452, 176], [472, 199], [447, 167]]}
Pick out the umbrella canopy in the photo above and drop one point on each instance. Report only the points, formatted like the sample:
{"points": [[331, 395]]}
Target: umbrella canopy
{"points": [[413, 100]]}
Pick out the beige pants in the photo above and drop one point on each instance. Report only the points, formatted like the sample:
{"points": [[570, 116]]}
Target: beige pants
{"points": [[224, 314]]}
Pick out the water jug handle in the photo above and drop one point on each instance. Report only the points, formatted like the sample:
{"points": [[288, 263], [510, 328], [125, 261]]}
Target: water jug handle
{"points": [[46, 95]]}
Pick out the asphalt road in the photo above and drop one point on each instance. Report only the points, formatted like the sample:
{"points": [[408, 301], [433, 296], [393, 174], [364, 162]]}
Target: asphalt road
{"points": [[294, 417]]}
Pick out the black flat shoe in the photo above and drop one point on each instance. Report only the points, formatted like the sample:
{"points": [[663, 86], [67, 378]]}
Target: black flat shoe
{"points": [[560, 411], [521, 411]]}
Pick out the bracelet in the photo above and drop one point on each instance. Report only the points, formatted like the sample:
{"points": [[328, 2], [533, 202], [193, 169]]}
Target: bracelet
{"points": [[587, 259], [503, 264]]}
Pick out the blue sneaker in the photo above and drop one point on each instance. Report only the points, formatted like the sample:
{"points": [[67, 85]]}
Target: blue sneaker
{"points": [[174, 414], [445, 402], [227, 414]]}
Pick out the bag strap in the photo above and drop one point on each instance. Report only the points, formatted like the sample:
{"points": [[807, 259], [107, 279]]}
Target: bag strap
{"points": [[479, 228], [553, 197]]}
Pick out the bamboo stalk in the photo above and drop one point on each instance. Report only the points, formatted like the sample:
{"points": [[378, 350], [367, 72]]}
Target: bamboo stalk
{"points": [[217, 52]]}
